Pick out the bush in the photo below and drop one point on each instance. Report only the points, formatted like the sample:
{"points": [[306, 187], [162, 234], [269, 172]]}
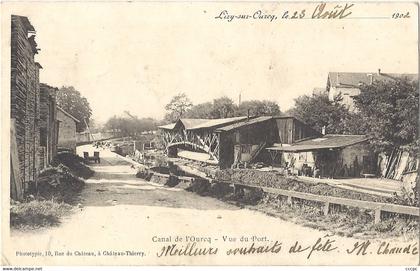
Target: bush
{"points": [[75, 163], [36, 214], [199, 186], [57, 183], [406, 197]]}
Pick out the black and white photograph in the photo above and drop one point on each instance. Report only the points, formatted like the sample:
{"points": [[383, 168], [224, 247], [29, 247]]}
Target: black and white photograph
{"points": [[210, 133]]}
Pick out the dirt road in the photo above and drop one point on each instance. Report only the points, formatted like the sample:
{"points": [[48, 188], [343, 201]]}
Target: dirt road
{"points": [[121, 214]]}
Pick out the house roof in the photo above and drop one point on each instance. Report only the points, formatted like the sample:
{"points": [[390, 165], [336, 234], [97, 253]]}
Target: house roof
{"points": [[354, 79], [68, 114], [330, 141], [244, 123]]}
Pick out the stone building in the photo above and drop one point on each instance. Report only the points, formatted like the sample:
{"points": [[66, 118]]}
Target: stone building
{"points": [[347, 84], [48, 124], [66, 130], [25, 94]]}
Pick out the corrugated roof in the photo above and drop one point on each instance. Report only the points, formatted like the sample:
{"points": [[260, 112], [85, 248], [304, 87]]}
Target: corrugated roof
{"points": [[210, 123], [354, 79], [169, 126], [330, 141], [190, 123], [244, 123], [193, 124]]}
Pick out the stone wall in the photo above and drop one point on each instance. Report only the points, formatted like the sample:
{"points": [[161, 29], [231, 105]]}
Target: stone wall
{"points": [[66, 131]]}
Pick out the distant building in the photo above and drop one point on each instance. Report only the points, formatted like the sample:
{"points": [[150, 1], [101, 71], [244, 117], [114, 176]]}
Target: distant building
{"points": [[24, 106], [66, 130], [348, 83], [48, 124]]}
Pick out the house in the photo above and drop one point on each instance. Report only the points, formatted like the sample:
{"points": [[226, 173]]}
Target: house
{"points": [[48, 124], [66, 130], [348, 83], [227, 142], [328, 156], [24, 106]]}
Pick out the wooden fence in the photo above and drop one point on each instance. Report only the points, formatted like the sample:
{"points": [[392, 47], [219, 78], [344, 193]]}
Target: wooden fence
{"points": [[378, 207]]}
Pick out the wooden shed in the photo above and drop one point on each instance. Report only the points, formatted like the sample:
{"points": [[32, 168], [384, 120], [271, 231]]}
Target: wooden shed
{"points": [[230, 141]]}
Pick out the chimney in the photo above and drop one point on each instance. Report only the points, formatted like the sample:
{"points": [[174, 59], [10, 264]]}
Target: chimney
{"points": [[323, 130], [379, 71]]}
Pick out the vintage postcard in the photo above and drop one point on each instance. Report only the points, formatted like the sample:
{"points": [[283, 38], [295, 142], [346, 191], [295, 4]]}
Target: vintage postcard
{"points": [[209, 133]]}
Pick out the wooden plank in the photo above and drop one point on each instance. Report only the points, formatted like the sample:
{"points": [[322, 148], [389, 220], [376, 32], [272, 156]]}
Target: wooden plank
{"points": [[326, 208], [16, 185]]}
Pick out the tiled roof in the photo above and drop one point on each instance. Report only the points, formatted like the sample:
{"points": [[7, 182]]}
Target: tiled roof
{"points": [[354, 79], [330, 141]]}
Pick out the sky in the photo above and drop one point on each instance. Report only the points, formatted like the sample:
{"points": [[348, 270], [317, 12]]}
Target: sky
{"points": [[136, 56]]}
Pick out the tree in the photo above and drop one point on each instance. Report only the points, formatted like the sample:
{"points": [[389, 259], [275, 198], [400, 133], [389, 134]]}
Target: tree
{"points": [[390, 112], [318, 111], [176, 108], [258, 108], [130, 125], [223, 108], [71, 101], [200, 111]]}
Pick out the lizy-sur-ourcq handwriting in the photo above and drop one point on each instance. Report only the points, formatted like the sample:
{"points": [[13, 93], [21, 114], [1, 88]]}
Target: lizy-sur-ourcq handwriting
{"points": [[321, 11]]}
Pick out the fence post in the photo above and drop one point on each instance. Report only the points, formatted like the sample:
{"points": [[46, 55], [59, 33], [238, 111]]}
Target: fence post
{"points": [[289, 200], [377, 215], [326, 208]]}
